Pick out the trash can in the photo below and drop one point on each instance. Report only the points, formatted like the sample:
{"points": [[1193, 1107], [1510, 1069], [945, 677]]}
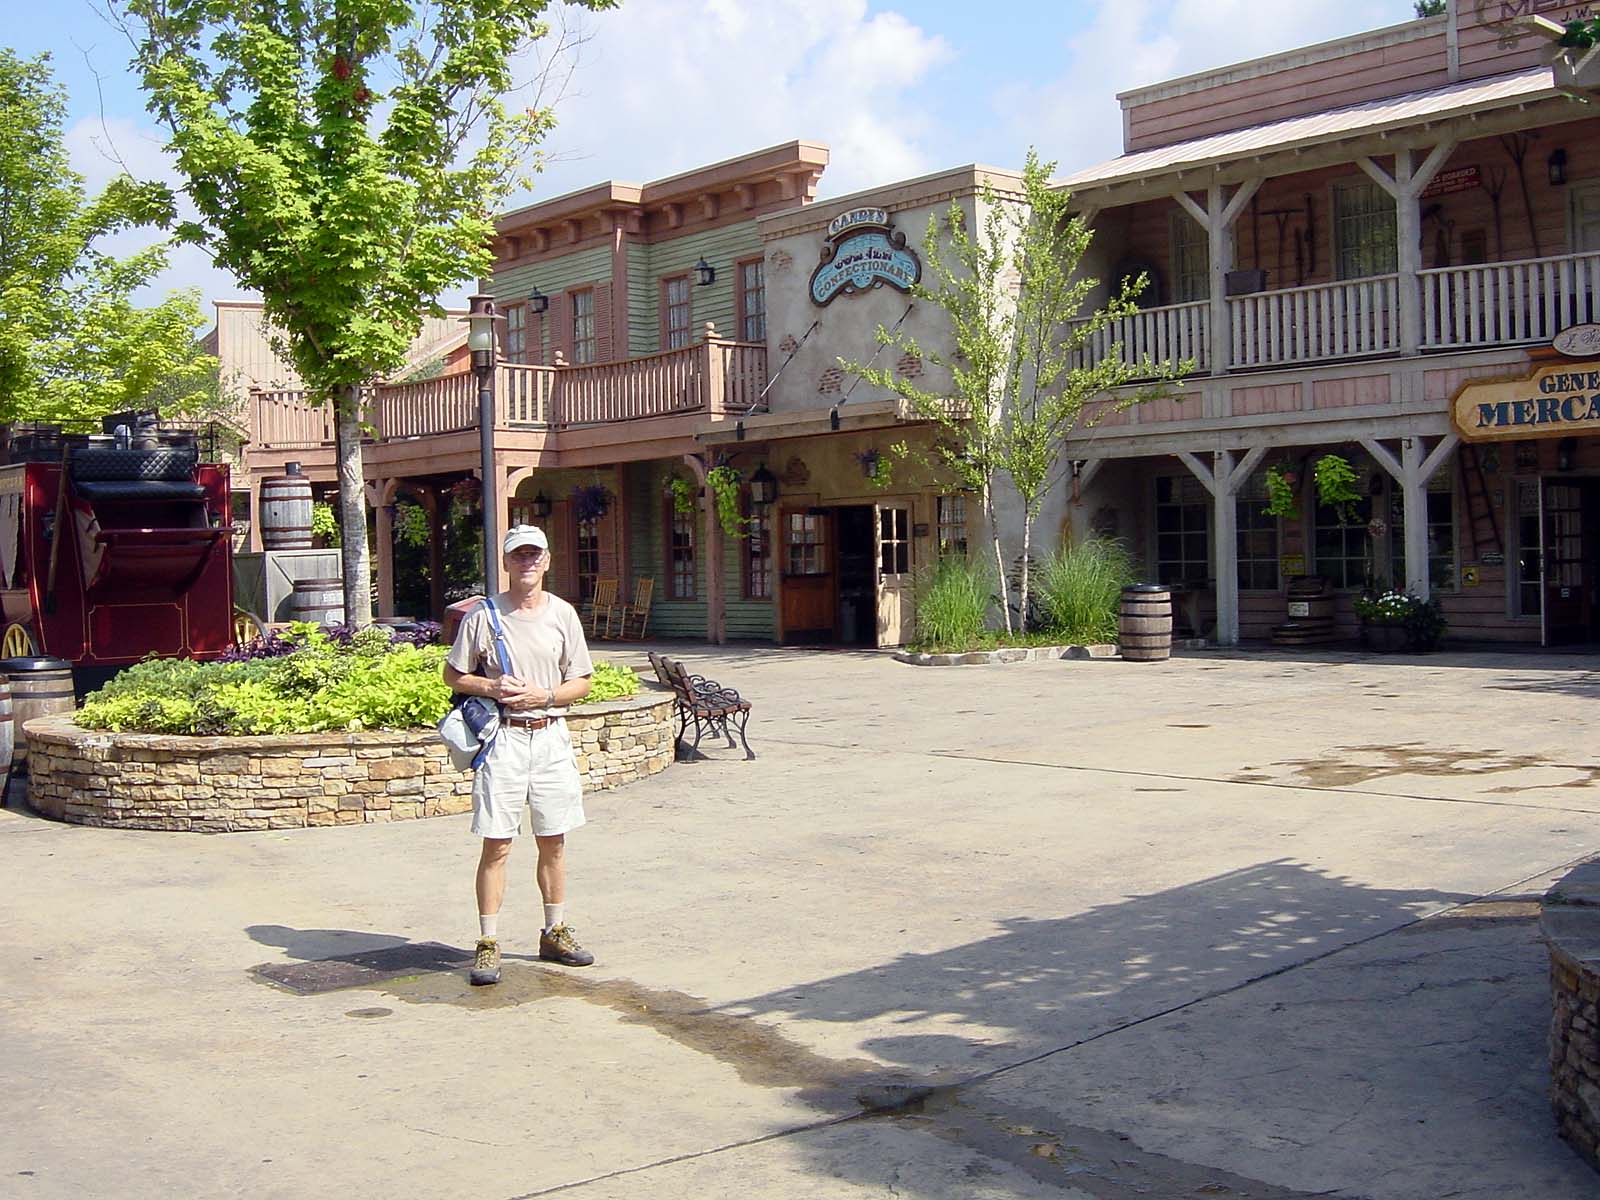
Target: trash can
{"points": [[1144, 623]]}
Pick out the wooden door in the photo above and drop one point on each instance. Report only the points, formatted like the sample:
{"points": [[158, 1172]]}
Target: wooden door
{"points": [[1566, 616], [892, 543], [809, 583]]}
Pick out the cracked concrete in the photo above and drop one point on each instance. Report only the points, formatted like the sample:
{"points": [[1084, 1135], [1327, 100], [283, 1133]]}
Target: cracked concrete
{"points": [[999, 932]]}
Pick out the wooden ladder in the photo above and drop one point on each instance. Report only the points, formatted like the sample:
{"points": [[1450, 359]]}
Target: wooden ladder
{"points": [[1480, 504]]}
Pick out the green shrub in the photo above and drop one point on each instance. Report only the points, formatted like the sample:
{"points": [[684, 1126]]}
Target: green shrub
{"points": [[1080, 589], [611, 682], [370, 683], [952, 599]]}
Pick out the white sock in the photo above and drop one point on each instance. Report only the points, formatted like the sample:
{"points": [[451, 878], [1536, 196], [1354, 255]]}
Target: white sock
{"points": [[488, 923], [553, 915]]}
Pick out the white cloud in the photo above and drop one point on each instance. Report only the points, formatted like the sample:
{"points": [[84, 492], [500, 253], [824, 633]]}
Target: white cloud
{"points": [[1076, 120], [668, 85]]}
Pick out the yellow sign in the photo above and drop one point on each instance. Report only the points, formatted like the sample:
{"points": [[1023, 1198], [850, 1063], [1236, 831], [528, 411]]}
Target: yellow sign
{"points": [[1469, 576], [1559, 400]]}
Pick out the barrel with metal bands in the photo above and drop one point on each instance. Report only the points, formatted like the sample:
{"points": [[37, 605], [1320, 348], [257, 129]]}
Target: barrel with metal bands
{"points": [[1144, 623], [320, 601], [286, 513]]}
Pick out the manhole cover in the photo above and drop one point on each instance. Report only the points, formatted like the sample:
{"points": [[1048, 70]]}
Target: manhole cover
{"points": [[371, 966]]}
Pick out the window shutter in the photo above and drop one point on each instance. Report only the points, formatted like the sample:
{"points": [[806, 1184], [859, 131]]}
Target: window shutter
{"points": [[536, 323], [603, 323], [558, 320]]}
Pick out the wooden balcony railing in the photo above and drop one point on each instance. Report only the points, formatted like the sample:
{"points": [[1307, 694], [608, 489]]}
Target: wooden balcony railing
{"points": [[1333, 320], [1174, 333], [1482, 306], [1489, 304], [713, 377]]}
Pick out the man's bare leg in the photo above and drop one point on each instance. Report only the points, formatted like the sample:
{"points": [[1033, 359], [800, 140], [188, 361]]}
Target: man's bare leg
{"points": [[491, 889], [557, 944]]}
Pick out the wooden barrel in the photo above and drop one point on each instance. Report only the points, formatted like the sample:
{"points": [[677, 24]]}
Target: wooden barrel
{"points": [[320, 601], [1144, 623], [1309, 608], [286, 512], [8, 734], [36, 686]]}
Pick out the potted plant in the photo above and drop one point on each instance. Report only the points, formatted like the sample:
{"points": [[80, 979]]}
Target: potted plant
{"points": [[683, 494], [1576, 66], [1396, 621], [724, 484], [1281, 498], [590, 502], [1336, 486]]}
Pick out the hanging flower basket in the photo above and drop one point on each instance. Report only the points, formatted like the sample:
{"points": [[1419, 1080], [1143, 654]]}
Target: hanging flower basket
{"points": [[591, 502]]}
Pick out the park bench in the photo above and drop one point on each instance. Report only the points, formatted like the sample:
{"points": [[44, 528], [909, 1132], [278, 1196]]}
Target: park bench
{"points": [[704, 702]]}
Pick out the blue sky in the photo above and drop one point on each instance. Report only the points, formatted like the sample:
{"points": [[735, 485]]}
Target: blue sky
{"points": [[896, 90]]}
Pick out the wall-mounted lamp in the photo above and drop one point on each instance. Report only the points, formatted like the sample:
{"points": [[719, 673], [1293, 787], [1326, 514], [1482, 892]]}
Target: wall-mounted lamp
{"points": [[1557, 164], [706, 271], [763, 486], [1564, 449], [540, 506], [538, 302], [833, 418]]}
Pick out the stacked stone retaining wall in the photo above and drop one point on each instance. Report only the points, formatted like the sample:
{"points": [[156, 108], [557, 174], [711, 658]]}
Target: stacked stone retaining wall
{"points": [[225, 784], [1570, 921]]}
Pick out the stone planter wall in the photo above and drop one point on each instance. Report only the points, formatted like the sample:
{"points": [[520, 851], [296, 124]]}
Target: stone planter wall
{"points": [[221, 784], [1570, 922]]}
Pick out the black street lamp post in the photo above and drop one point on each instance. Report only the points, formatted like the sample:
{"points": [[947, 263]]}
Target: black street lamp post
{"points": [[481, 319]]}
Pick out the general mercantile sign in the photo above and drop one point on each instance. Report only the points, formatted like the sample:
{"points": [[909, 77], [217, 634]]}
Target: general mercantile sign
{"points": [[1558, 400]]}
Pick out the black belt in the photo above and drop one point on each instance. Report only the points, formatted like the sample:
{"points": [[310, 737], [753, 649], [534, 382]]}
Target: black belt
{"points": [[530, 722]]}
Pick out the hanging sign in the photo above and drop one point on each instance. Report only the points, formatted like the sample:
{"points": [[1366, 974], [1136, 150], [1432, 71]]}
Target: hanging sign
{"points": [[1456, 179], [1578, 341], [1555, 401], [863, 251]]}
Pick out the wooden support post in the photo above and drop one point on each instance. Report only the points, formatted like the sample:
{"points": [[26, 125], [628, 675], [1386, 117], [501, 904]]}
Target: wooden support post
{"points": [[1217, 218], [384, 533], [1405, 187], [1412, 471], [1223, 481]]}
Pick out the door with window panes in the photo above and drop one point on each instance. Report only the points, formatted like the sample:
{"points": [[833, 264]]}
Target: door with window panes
{"points": [[1566, 594], [892, 541]]}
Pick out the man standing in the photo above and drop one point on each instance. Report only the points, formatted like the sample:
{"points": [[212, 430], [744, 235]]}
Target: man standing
{"points": [[530, 764]]}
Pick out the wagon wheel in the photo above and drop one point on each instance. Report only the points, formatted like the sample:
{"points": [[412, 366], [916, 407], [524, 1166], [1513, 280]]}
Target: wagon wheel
{"points": [[247, 628], [17, 642]]}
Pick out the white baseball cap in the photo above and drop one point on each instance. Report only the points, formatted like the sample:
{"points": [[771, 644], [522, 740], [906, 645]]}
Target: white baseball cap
{"points": [[524, 535]]}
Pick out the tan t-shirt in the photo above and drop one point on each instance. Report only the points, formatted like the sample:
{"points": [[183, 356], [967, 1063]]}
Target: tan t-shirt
{"points": [[547, 646]]}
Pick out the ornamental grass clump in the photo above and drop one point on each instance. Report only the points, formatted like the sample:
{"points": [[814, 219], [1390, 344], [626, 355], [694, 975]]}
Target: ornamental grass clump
{"points": [[360, 680], [952, 604], [1080, 589]]}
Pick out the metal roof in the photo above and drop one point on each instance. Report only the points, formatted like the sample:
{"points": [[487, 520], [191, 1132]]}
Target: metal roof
{"points": [[1331, 125]]}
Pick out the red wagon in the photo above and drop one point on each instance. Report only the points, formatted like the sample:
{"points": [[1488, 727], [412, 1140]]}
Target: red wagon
{"points": [[110, 554]]}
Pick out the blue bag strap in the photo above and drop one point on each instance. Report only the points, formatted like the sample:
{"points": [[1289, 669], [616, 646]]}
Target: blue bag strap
{"points": [[505, 665]]}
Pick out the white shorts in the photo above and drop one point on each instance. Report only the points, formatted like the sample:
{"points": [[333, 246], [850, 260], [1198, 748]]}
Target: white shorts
{"points": [[533, 769]]}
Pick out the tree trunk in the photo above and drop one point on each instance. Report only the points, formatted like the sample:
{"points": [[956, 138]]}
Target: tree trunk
{"points": [[999, 557], [353, 512], [1022, 615]]}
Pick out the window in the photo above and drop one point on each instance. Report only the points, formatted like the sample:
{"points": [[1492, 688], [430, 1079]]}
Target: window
{"points": [[1191, 260], [894, 541], [583, 343], [675, 313], [1363, 230], [588, 558], [952, 514], [753, 301], [758, 552], [1257, 537], [1342, 551], [1182, 530], [515, 344], [1530, 595], [680, 553], [1441, 532], [807, 543]]}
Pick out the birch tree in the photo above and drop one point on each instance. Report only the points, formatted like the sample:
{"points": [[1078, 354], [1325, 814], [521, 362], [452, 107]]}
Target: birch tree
{"points": [[1021, 377], [346, 158]]}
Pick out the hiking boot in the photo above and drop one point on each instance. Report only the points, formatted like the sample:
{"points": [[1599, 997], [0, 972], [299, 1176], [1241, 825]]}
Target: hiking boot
{"points": [[486, 963], [560, 945]]}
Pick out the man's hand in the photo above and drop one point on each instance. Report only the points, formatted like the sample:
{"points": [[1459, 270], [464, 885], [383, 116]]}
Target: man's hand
{"points": [[515, 694]]}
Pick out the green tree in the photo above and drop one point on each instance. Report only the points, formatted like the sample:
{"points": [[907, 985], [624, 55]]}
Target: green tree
{"points": [[1021, 376], [1429, 8], [346, 158], [73, 345]]}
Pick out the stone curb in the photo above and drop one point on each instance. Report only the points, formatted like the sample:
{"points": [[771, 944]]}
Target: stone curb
{"points": [[1009, 654], [1569, 919]]}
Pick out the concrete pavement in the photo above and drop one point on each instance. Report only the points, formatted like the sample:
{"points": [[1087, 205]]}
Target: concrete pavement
{"points": [[1242, 925]]}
